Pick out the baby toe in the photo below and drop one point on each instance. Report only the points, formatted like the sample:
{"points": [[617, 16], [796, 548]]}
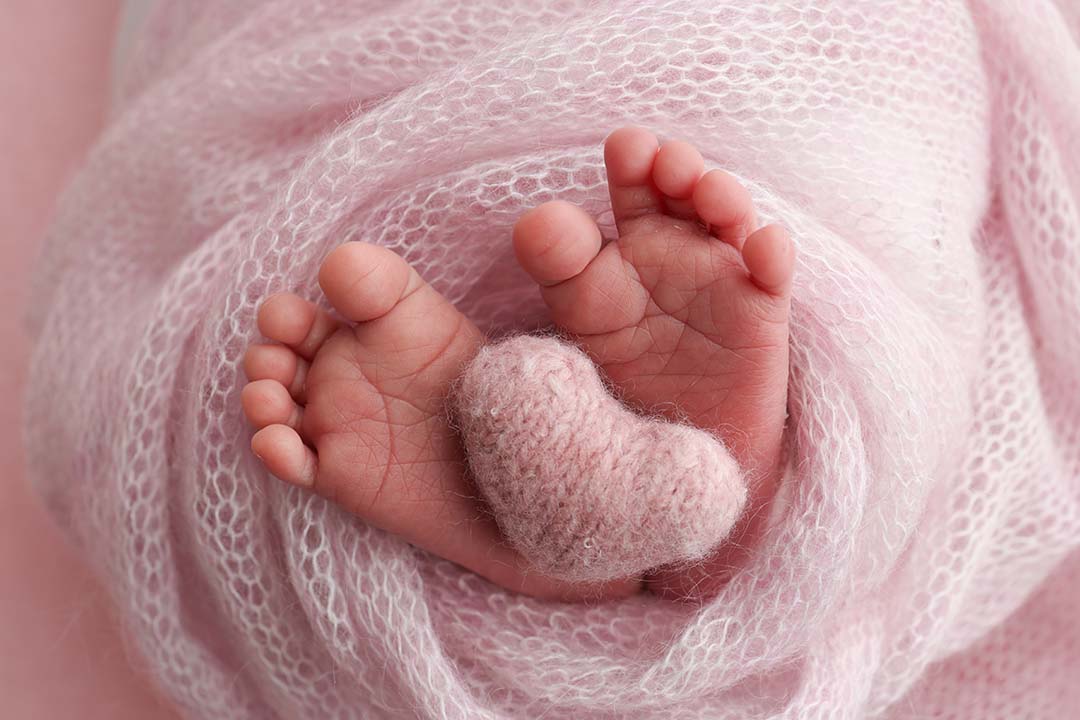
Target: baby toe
{"points": [[769, 256], [555, 242], [629, 154], [277, 363], [294, 321], [677, 169], [725, 205], [267, 402], [285, 455], [365, 282], [676, 172]]}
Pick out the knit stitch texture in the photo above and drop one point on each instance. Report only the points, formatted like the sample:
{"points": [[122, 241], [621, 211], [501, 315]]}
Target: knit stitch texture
{"points": [[924, 159], [580, 485]]}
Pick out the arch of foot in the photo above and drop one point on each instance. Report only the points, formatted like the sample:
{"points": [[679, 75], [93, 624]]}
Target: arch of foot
{"points": [[583, 487]]}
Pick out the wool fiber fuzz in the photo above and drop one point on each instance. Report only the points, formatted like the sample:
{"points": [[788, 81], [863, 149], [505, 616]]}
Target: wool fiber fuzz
{"points": [[926, 160], [583, 487]]}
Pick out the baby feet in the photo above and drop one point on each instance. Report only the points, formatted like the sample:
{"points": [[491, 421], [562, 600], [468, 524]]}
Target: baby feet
{"points": [[686, 312], [355, 411]]}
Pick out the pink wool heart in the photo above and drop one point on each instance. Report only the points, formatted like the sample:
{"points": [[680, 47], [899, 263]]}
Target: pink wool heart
{"points": [[582, 486]]}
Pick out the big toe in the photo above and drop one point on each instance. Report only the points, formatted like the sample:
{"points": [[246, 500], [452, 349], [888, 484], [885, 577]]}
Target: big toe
{"points": [[555, 241], [588, 288], [364, 282]]}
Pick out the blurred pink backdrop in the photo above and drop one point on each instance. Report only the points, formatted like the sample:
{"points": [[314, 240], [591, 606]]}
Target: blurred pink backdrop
{"points": [[61, 655]]}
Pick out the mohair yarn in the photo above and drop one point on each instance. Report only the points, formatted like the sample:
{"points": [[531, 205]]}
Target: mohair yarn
{"points": [[924, 158]]}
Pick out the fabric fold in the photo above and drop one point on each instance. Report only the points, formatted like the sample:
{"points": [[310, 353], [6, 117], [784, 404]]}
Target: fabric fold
{"points": [[925, 163]]}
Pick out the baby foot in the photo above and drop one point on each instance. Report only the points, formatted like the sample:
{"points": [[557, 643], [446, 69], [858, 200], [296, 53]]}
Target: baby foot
{"points": [[686, 312], [356, 410]]}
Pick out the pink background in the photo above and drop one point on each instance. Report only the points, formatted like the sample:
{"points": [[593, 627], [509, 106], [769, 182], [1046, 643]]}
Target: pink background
{"points": [[61, 655]]}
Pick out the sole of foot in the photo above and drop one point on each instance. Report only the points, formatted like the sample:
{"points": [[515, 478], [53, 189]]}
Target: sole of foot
{"points": [[352, 407], [686, 312]]}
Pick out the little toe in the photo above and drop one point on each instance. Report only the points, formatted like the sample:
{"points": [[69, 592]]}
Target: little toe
{"points": [[629, 154], [285, 455], [277, 363], [725, 205], [769, 256], [555, 241], [294, 321], [267, 402], [364, 282], [676, 172]]}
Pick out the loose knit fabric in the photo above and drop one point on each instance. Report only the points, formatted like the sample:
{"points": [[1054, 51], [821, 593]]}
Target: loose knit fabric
{"points": [[580, 485], [924, 562]]}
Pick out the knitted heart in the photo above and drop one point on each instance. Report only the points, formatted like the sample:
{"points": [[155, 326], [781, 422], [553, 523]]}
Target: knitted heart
{"points": [[582, 486]]}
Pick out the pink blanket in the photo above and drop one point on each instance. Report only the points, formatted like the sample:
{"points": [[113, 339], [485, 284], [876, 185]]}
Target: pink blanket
{"points": [[926, 159]]}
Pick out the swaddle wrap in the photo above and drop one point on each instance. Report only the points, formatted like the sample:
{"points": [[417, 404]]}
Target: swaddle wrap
{"points": [[924, 159]]}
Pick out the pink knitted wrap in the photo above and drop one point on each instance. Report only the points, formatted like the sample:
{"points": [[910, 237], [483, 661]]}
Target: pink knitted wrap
{"points": [[924, 561]]}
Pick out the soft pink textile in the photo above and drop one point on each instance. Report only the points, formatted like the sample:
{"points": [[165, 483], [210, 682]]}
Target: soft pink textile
{"points": [[583, 487], [924, 562]]}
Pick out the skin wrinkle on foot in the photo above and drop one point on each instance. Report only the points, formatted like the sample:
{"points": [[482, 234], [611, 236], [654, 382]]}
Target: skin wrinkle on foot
{"points": [[609, 299], [930, 545]]}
